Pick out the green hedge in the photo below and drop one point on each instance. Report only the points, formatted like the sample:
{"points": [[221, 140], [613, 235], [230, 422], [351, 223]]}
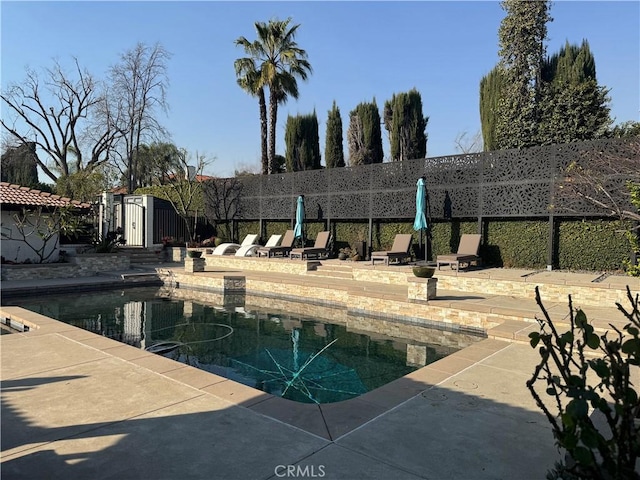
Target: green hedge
{"points": [[445, 236], [592, 245], [516, 244]]}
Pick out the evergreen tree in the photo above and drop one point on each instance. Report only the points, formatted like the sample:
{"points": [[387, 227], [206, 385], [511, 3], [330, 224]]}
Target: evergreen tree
{"points": [[333, 150], [364, 136], [302, 143], [573, 106], [406, 125], [19, 165], [627, 129], [491, 90], [521, 36]]}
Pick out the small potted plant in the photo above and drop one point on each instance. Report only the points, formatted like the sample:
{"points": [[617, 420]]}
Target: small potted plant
{"points": [[192, 245], [344, 253]]}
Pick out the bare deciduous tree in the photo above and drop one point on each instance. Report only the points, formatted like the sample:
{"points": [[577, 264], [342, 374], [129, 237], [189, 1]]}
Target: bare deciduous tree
{"points": [[184, 187], [138, 89], [222, 199], [600, 179], [465, 144], [54, 110], [39, 228]]}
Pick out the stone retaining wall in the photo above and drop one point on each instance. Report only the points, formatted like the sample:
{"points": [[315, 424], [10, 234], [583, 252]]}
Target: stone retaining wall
{"points": [[413, 311], [592, 295], [79, 266], [277, 265]]}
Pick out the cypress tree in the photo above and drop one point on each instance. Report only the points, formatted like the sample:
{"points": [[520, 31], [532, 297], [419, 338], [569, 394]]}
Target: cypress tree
{"points": [[364, 135], [302, 143], [491, 91], [334, 150], [406, 125], [573, 106]]}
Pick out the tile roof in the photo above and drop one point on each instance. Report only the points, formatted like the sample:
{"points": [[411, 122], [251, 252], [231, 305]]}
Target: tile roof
{"points": [[16, 195]]}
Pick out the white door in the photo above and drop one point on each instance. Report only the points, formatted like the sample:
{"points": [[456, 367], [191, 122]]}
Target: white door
{"points": [[134, 222]]}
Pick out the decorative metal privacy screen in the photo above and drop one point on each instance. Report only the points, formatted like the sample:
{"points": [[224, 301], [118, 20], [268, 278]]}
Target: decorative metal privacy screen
{"points": [[506, 183]]}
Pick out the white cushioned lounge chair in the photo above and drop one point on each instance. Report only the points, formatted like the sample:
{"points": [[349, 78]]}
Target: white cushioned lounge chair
{"points": [[232, 248], [252, 250]]}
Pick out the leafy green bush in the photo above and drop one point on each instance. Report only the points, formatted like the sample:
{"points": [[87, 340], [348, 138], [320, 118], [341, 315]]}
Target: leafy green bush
{"points": [[579, 370], [516, 244], [445, 236], [592, 245], [580, 244]]}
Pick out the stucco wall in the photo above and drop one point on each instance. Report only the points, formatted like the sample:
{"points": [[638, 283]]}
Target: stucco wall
{"points": [[13, 246]]}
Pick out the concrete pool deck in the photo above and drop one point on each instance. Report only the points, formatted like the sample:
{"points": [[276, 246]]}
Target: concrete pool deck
{"points": [[77, 405]]}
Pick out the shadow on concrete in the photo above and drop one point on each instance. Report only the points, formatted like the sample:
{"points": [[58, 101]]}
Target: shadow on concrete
{"points": [[440, 432], [29, 383]]}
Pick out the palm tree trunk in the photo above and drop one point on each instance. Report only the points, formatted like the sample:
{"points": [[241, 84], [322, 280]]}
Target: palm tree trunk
{"points": [[273, 111], [263, 133]]}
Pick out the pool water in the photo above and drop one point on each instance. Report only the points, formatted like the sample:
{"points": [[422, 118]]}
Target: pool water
{"points": [[308, 360]]}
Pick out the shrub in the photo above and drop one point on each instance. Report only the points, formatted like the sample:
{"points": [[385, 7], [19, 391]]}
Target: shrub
{"points": [[566, 361]]}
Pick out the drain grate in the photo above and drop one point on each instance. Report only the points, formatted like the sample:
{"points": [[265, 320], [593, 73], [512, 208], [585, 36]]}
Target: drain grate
{"points": [[601, 278], [532, 273]]}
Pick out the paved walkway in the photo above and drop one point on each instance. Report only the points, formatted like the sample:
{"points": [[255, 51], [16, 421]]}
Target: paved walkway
{"points": [[77, 405]]}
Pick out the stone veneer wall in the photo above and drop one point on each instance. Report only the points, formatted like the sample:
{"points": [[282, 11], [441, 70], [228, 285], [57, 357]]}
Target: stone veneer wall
{"points": [[415, 312], [279, 265], [176, 254], [79, 266], [592, 295], [339, 315]]}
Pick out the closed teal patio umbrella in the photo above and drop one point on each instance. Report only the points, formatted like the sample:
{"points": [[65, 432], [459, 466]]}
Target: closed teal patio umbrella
{"points": [[297, 229], [420, 222]]}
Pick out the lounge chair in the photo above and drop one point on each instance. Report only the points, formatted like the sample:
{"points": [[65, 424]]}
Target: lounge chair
{"points": [[399, 250], [252, 250], [467, 252], [231, 248], [283, 249], [318, 250]]}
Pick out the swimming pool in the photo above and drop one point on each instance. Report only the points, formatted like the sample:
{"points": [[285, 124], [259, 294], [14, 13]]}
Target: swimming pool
{"points": [[302, 357]]}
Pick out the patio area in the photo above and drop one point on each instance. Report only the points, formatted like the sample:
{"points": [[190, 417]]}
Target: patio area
{"points": [[78, 405]]}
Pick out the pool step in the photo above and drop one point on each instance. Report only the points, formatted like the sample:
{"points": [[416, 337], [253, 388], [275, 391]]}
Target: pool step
{"points": [[141, 255], [333, 271]]}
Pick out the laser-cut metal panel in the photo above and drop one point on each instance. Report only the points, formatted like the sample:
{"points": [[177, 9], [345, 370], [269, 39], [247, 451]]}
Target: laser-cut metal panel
{"points": [[456, 202], [349, 206], [453, 183], [348, 195], [310, 182], [222, 199], [516, 199], [609, 162], [508, 183]]}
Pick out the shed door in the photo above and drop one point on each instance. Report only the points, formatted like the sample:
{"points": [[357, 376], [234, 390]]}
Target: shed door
{"points": [[134, 222]]}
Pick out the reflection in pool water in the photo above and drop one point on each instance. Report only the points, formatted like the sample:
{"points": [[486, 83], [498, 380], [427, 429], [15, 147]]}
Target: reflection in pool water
{"points": [[290, 355]]}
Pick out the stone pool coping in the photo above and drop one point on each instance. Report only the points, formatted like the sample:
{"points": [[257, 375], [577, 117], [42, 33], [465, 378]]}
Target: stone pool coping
{"points": [[329, 421]]}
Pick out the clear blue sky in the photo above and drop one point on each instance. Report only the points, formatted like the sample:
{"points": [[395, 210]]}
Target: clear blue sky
{"points": [[358, 50]]}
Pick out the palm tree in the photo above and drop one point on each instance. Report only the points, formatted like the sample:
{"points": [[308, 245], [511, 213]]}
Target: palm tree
{"points": [[278, 61], [249, 80]]}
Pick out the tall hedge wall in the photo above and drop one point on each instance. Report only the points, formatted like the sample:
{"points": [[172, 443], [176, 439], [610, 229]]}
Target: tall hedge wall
{"points": [[592, 245], [595, 245]]}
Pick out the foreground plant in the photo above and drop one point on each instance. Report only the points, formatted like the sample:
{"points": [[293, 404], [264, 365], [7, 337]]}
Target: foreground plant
{"points": [[566, 360]]}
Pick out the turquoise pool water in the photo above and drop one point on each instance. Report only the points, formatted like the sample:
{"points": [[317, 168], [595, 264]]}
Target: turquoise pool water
{"points": [[304, 359]]}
